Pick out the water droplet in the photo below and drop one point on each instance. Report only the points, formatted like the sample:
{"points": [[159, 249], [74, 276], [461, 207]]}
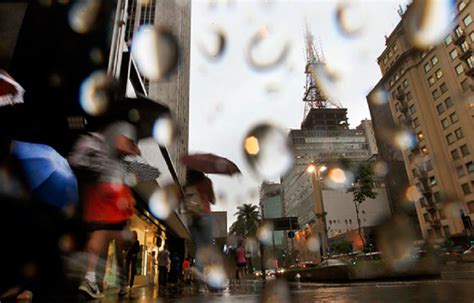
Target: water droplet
{"points": [[328, 81], [380, 169], [267, 49], [350, 17], [276, 291], [95, 93], [267, 151], [96, 56], [395, 240], [428, 22], [251, 246], [338, 178], [265, 233], [155, 51], [215, 276], [134, 115], [163, 130], [405, 139], [163, 201], [83, 14], [379, 97], [313, 244], [212, 43], [413, 194]]}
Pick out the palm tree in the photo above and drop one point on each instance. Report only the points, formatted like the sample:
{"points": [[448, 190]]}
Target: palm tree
{"points": [[248, 217]]}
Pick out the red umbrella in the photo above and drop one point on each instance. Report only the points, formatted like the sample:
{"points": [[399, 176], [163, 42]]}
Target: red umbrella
{"points": [[210, 164]]}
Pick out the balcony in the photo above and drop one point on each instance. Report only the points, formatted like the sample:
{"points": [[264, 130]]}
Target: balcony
{"points": [[459, 37], [466, 52]]}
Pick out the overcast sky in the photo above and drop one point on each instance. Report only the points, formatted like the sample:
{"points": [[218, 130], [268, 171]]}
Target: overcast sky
{"points": [[228, 95]]}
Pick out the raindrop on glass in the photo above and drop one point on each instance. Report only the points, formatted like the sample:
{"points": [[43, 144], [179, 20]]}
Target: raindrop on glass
{"points": [[267, 151], [163, 130], [405, 139], [83, 14], [429, 22], [378, 97], [396, 241], [413, 194], [155, 51], [338, 178], [350, 17], [215, 276], [212, 43], [95, 93], [265, 233], [164, 201], [267, 49], [327, 80], [380, 169], [96, 56], [313, 244]]}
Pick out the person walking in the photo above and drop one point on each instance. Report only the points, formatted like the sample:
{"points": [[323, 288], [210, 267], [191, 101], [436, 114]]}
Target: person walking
{"points": [[240, 260], [186, 270], [131, 263], [152, 268], [164, 263], [107, 201]]}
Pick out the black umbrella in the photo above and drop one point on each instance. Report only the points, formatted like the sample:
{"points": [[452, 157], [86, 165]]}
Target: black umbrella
{"points": [[141, 112]]}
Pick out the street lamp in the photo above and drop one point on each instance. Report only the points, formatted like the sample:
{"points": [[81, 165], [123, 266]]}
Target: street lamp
{"points": [[315, 171]]}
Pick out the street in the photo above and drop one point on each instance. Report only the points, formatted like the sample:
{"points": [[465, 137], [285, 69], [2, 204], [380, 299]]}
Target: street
{"points": [[409, 291]]}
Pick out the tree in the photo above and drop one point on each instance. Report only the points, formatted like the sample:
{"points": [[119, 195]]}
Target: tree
{"points": [[248, 217], [363, 188]]}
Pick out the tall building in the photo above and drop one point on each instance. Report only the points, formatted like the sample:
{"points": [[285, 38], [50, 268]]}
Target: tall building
{"points": [[430, 107], [175, 16], [324, 139], [271, 205]]}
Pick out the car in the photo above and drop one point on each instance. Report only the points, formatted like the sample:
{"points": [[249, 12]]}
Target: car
{"points": [[270, 272], [258, 273], [280, 270], [332, 262]]}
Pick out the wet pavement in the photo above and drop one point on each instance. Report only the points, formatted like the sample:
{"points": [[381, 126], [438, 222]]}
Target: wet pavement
{"points": [[411, 291]]}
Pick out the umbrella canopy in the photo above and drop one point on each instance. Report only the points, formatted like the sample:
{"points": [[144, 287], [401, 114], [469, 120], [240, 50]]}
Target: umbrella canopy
{"points": [[10, 91], [48, 174], [210, 164], [141, 112]]}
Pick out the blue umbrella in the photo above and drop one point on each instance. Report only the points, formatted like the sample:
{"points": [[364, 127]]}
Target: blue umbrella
{"points": [[48, 174]]}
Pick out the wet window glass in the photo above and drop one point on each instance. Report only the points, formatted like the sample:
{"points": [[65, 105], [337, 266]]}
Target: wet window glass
{"points": [[453, 54], [467, 20]]}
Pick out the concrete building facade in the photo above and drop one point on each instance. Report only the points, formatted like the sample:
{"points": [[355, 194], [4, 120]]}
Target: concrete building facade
{"points": [[430, 99]]}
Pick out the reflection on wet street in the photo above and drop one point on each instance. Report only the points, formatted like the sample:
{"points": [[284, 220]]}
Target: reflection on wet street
{"points": [[410, 291]]}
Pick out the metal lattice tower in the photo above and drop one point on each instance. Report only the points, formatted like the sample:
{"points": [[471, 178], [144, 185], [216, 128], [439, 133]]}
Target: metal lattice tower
{"points": [[313, 96]]}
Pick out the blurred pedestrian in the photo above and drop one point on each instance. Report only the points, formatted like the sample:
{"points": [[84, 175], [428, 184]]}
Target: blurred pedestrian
{"points": [[240, 260], [131, 263], [152, 268], [107, 201], [164, 263], [186, 270], [175, 269]]}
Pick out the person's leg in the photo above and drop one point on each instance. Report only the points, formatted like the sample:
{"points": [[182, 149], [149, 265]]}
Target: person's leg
{"points": [[133, 271], [97, 242]]}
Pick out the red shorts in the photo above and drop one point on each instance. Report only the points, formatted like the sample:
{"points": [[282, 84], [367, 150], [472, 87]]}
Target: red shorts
{"points": [[108, 203]]}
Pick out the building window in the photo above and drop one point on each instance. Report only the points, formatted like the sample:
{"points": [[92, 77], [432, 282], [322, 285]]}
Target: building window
{"points": [[440, 108], [466, 189], [433, 181], [405, 83], [464, 46], [453, 54], [460, 171], [414, 173], [459, 69], [448, 102], [420, 136], [439, 74], [424, 150], [412, 109], [470, 205], [397, 76], [459, 133], [431, 80], [450, 138], [427, 67], [390, 54], [426, 217], [437, 197], [445, 123], [448, 40], [464, 150], [455, 154], [471, 35], [470, 167], [454, 117], [446, 230], [434, 60], [467, 20], [459, 32], [435, 94], [409, 96], [392, 82], [443, 87], [465, 84], [470, 62], [416, 122]]}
